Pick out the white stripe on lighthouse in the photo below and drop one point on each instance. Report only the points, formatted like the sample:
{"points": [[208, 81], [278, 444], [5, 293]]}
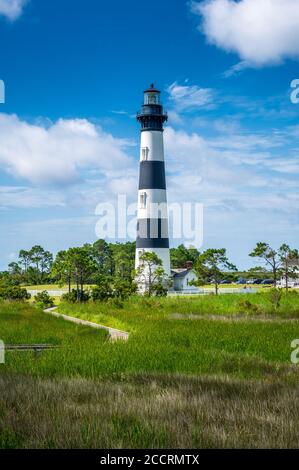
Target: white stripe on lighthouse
{"points": [[152, 204], [152, 146]]}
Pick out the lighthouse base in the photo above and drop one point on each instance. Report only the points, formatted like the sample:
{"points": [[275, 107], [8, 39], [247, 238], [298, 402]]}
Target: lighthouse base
{"points": [[163, 254]]}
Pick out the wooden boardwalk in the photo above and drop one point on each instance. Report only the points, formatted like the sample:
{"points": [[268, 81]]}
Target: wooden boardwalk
{"points": [[114, 334]]}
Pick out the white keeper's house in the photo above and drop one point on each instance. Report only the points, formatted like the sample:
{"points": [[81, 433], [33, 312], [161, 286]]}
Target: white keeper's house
{"points": [[183, 279]]}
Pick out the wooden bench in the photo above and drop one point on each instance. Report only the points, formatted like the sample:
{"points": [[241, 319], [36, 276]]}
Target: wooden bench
{"points": [[36, 348]]}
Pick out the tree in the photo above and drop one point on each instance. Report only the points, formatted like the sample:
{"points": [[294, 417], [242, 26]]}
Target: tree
{"points": [[36, 255], [181, 255], [288, 263], [24, 259], [152, 275], [271, 258], [281, 262], [258, 272], [210, 265], [77, 265], [124, 260], [82, 267], [35, 264], [46, 264], [62, 268], [102, 255]]}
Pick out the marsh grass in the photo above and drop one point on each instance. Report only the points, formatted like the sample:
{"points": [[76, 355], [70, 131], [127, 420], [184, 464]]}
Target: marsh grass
{"points": [[147, 411], [136, 310], [175, 383], [157, 344]]}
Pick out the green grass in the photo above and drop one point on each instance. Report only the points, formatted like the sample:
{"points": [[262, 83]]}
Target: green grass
{"points": [[137, 310], [147, 411], [220, 381], [78, 345], [158, 343], [162, 343]]}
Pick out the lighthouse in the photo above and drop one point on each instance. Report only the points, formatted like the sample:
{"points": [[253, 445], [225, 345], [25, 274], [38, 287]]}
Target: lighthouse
{"points": [[152, 214]]}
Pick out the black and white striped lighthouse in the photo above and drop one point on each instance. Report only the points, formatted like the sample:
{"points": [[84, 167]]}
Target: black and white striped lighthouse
{"points": [[152, 225]]}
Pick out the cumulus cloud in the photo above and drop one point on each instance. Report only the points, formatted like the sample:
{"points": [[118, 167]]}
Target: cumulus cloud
{"points": [[244, 192], [261, 32], [60, 152], [12, 9], [226, 173], [186, 97]]}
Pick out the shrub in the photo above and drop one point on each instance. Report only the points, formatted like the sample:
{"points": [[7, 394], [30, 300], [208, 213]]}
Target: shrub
{"points": [[249, 307], [102, 292], [14, 293], [72, 296], [150, 302], [124, 289], [275, 296], [160, 290], [115, 302], [43, 300]]}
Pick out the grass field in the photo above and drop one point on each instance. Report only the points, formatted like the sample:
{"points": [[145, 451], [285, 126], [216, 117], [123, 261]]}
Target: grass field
{"points": [[135, 310], [147, 411], [220, 378], [207, 286]]}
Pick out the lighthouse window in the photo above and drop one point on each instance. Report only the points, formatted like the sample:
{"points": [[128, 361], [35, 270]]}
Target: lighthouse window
{"points": [[151, 98], [142, 200], [144, 153]]}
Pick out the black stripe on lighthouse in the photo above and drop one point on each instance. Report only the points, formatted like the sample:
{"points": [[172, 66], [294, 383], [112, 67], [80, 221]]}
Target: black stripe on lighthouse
{"points": [[152, 175], [152, 233]]}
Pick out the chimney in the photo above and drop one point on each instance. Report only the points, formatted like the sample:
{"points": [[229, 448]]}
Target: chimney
{"points": [[189, 265]]}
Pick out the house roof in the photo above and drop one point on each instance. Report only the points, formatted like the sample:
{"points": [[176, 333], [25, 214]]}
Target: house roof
{"points": [[178, 273]]}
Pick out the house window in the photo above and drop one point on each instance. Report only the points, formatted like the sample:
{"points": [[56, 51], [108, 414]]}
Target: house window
{"points": [[144, 153], [142, 200]]}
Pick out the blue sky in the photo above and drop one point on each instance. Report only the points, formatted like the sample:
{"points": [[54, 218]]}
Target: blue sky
{"points": [[74, 74]]}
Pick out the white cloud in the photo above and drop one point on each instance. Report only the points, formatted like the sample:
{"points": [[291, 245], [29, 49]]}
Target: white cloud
{"points": [[12, 9], [184, 97], [261, 32], [236, 173], [28, 198], [60, 152], [243, 198]]}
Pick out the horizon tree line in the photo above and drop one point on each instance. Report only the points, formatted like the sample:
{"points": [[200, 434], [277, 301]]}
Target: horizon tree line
{"points": [[112, 264]]}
